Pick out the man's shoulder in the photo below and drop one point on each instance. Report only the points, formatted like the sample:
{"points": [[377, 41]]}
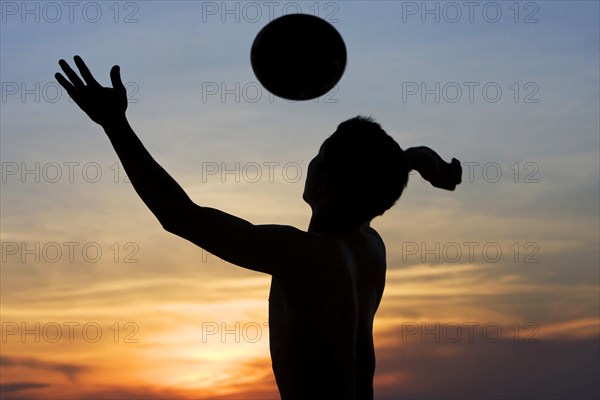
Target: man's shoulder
{"points": [[376, 235]]}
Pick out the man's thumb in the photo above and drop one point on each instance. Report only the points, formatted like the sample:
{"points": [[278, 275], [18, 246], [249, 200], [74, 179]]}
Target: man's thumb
{"points": [[115, 78]]}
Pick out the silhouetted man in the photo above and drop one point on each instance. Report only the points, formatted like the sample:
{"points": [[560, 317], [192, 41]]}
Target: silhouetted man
{"points": [[327, 282]]}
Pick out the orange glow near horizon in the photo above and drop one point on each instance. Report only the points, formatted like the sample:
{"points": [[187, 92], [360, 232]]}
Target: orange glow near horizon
{"points": [[219, 348]]}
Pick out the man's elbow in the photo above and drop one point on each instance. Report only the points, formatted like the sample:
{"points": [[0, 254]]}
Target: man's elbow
{"points": [[177, 219], [169, 225], [171, 222]]}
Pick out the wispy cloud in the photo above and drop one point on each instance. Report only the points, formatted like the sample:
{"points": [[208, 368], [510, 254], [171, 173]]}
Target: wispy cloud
{"points": [[503, 369], [71, 371], [20, 390]]}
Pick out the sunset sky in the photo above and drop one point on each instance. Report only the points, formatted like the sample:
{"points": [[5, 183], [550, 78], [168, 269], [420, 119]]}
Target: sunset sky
{"points": [[492, 290]]}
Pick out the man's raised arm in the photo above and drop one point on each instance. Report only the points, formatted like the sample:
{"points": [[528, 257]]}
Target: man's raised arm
{"points": [[433, 168], [106, 106], [262, 248]]}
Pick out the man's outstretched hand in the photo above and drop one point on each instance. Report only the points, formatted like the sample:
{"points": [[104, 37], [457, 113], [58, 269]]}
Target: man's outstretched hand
{"points": [[433, 168], [103, 105]]}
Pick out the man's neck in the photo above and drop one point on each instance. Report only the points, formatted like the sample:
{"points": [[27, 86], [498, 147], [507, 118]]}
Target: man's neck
{"points": [[330, 221]]}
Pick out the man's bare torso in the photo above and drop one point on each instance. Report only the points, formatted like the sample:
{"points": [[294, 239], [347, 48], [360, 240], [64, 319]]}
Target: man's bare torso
{"points": [[321, 322]]}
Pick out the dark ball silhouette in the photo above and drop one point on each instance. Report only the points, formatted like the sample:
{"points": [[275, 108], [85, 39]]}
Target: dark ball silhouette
{"points": [[298, 57]]}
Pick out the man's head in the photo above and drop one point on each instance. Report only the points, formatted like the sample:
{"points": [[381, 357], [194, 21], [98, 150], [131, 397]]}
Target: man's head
{"points": [[360, 170]]}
